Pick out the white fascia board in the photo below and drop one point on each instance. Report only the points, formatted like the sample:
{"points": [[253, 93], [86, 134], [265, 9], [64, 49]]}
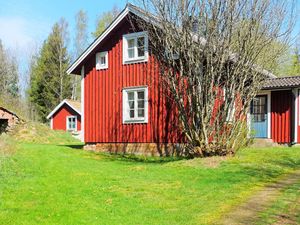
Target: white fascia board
{"points": [[59, 106], [107, 31], [98, 40]]}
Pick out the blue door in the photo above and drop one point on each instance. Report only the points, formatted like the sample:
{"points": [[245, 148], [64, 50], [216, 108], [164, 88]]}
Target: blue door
{"points": [[259, 116]]}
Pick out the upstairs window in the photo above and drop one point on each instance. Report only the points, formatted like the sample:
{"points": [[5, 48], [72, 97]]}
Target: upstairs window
{"points": [[135, 105], [101, 60], [135, 47], [72, 123]]}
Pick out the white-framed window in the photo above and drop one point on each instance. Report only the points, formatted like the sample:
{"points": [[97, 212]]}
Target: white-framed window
{"points": [[72, 123], [101, 60], [135, 47], [231, 113], [231, 109], [135, 105]]}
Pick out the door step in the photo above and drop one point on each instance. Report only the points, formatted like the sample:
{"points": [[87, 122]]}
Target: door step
{"points": [[263, 143]]}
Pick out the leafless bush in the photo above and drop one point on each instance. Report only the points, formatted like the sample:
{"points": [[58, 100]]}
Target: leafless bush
{"points": [[212, 61]]}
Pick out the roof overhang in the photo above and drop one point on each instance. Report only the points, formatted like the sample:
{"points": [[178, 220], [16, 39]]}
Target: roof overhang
{"points": [[59, 106], [75, 68]]}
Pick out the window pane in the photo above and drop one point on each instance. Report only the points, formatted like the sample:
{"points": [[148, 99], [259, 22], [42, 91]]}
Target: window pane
{"points": [[130, 43], [141, 113], [141, 95], [130, 95], [131, 114], [130, 53], [141, 104], [131, 104], [141, 42], [141, 52], [102, 60]]}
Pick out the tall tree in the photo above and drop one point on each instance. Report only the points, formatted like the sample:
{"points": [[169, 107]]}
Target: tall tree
{"points": [[292, 66], [104, 20], [49, 82], [81, 34], [9, 76], [80, 44]]}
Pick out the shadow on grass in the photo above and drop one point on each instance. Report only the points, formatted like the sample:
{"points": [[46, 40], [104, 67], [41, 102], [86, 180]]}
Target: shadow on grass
{"points": [[138, 158], [74, 146]]}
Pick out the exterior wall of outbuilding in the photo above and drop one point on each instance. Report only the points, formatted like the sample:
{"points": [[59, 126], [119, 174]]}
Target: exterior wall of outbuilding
{"points": [[59, 119], [282, 117]]}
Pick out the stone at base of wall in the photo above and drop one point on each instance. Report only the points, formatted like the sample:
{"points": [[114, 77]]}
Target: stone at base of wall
{"points": [[148, 149]]}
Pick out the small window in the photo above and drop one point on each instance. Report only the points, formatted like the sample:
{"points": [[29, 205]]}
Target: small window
{"points": [[101, 60], [135, 47], [135, 105], [72, 123]]}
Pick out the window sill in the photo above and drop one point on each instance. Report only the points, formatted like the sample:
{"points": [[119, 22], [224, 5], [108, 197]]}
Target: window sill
{"points": [[132, 61], [134, 121], [102, 68]]}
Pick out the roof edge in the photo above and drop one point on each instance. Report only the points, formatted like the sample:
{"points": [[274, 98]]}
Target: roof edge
{"points": [[65, 101]]}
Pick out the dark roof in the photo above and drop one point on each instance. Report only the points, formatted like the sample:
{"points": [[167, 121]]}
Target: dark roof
{"points": [[282, 82], [10, 112]]}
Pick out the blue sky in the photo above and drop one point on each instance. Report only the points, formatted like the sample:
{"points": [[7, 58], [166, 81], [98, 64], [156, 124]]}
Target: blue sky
{"points": [[24, 24], [27, 22]]}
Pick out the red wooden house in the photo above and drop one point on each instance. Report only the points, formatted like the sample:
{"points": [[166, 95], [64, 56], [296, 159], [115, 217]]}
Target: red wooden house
{"points": [[66, 116], [122, 105]]}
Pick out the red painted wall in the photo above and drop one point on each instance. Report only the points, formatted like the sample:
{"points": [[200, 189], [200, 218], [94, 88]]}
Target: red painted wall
{"points": [[281, 118], [103, 98], [60, 117]]}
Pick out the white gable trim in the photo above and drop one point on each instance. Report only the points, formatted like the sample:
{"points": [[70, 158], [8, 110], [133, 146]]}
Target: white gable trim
{"points": [[59, 106], [99, 39], [121, 16]]}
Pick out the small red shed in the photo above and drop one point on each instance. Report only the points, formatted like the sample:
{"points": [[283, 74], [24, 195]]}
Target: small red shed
{"points": [[66, 116]]}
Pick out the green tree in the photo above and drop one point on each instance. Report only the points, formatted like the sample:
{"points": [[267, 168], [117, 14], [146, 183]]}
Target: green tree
{"points": [[292, 68], [9, 76], [104, 20], [49, 82]]}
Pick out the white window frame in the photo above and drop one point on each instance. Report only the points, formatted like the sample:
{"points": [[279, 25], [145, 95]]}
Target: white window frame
{"points": [[231, 111], [67, 123], [126, 117], [99, 55], [136, 59]]}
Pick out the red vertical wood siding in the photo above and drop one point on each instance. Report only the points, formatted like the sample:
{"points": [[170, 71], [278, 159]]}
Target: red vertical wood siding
{"points": [[281, 116], [60, 118], [103, 98]]}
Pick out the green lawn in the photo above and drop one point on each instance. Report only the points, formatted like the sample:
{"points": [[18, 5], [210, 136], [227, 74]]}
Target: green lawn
{"points": [[285, 209], [61, 184]]}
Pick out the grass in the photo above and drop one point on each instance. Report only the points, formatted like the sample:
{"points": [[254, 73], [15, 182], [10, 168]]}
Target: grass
{"points": [[58, 183], [285, 209]]}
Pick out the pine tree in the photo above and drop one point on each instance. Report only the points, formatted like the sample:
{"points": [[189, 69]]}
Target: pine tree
{"points": [[49, 82]]}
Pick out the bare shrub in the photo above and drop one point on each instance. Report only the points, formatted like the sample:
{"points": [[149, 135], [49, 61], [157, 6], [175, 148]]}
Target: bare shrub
{"points": [[212, 55]]}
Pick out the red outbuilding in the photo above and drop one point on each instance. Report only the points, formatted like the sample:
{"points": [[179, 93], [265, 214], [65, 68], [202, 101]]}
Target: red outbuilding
{"points": [[66, 116], [122, 102]]}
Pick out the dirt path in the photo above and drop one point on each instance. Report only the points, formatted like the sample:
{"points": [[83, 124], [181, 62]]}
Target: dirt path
{"points": [[247, 212]]}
